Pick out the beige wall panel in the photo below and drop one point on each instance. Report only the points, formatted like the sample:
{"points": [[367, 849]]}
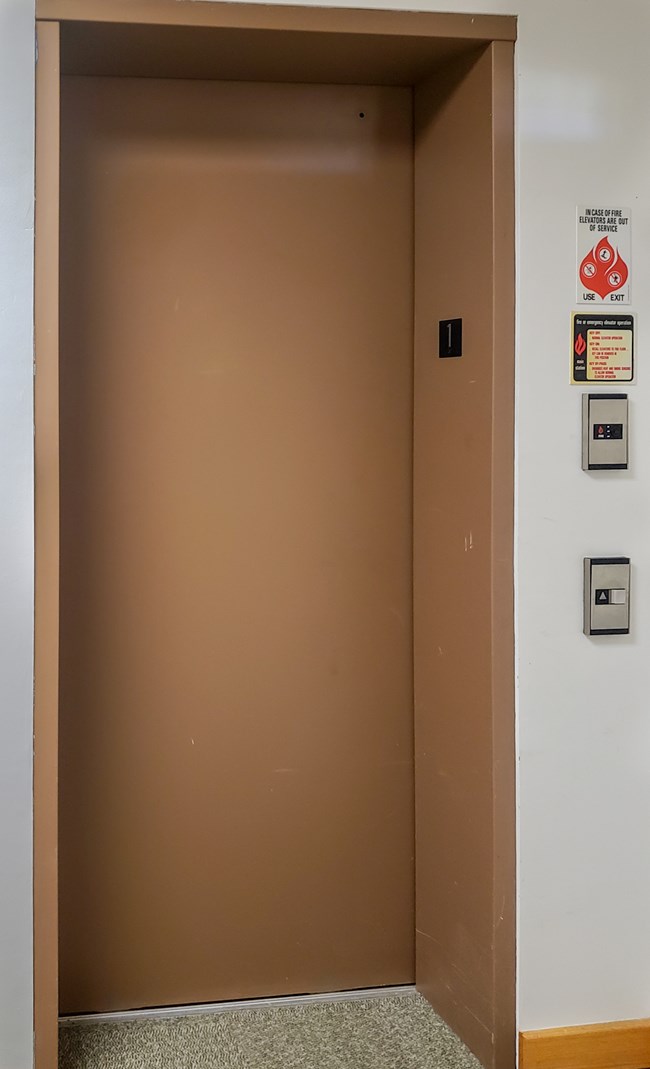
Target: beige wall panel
{"points": [[463, 532], [236, 632]]}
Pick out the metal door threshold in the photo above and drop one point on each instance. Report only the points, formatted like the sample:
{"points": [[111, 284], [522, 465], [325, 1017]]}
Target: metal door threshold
{"points": [[163, 1012]]}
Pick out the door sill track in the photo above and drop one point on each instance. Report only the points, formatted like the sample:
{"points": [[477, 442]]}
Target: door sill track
{"points": [[166, 1012]]}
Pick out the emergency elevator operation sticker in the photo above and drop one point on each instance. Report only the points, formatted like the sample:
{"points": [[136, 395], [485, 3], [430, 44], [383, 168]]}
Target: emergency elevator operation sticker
{"points": [[602, 348], [603, 267]]}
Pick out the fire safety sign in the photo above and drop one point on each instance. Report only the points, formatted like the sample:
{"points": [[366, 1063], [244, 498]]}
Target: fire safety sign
{"points": [[603, 262], [602, 348]]}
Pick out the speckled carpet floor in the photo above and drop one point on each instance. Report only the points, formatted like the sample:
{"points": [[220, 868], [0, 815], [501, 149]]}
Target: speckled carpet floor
{"points": [[398, 1032]]}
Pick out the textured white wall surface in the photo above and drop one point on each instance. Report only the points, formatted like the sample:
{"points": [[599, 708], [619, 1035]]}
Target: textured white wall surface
{"points": [[583, 129], [584, 725], [16, 521]]}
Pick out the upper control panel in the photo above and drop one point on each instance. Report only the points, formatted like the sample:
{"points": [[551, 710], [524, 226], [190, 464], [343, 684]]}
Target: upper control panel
{"points": [[604, 431]]}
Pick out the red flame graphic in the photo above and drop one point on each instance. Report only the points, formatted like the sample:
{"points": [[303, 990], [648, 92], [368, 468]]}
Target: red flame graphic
{"points": [[603, 270], [580, 344]]}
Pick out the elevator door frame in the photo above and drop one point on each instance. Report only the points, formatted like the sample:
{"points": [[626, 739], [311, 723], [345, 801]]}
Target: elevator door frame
{"points": [[452, 61]]}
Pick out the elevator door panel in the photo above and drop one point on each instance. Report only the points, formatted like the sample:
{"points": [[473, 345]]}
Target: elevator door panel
{"points": [[236, 760]]}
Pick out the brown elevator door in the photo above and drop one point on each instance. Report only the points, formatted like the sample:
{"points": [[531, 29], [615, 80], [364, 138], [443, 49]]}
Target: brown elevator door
{"points": [[236, 758]]}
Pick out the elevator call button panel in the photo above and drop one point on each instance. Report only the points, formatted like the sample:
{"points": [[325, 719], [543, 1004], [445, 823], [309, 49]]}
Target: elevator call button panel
{"points": [[607, 596], [604, 431]]}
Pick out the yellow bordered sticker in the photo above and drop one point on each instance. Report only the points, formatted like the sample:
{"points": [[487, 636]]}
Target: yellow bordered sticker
{"points": [[602, 348]]}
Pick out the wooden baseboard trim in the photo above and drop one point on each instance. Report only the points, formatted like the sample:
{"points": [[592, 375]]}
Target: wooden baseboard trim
{"points": [[616, 1045]]}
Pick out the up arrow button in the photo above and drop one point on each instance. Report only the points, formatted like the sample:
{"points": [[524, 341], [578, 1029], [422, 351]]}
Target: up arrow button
{"points": [[602, 597]]}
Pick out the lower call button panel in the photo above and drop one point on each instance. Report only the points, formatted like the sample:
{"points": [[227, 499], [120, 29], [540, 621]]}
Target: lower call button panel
{"points": [[607, 596]]}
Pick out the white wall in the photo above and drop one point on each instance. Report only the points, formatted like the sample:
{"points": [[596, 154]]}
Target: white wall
{"points": [[584, 725], [584, 128], [16, 519]]}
